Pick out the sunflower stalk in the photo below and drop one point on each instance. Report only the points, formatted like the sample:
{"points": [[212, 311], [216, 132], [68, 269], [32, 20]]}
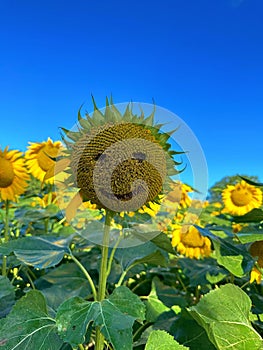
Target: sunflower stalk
{"points": [[6, 237], [87, 275], [113, 253], [99, 342]]}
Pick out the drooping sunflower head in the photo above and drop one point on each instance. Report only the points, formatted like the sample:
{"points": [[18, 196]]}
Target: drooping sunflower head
{"points": [[241, 198], [189, 242], [39, 157], [13, 174], [119, 162]]}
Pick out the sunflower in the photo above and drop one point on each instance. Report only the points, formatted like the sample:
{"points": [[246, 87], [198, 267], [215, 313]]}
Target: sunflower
{"points": [[256, 250], [13, 174], [189, 242], [120, 162], [39, 157], [241, 198], [179, 195]]}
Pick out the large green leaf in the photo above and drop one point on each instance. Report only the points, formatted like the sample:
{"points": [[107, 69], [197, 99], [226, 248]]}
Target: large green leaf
{"points": [[164, 242], [154, 306], [161, 240], [128, 302], [63, 282], [188, 332], [169, 295], [234, 257], [162, 340], [155, 258], [115, 325], [75, 315], [202, 272], [28, 326], [144, 253], [40, 252], [7, 296], [250, 234], [73, 318], [224, 314]]}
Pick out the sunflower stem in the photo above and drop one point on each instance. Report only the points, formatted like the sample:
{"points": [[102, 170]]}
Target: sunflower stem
{"points": [[6, 234], [112, 255], [123, 275], [87, 275], [6, 237], [99, 342]]}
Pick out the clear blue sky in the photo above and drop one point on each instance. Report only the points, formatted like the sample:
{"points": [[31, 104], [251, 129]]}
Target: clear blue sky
{"points": [[200, 59]]}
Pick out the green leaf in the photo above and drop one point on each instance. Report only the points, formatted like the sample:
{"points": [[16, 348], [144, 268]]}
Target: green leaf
{"points": [[188, 332], [40, 252], [250, 182], [164, 242], [75, 316], [155, 258], [28, 326], [169, 295], [224, 314], [7, 296], [255, 215], [236, 260], [144, 253], [250, 234], [200, 271], [61, 283], [154, 306], [115, 326], [128, 302], [234, 257], [162, 340]]}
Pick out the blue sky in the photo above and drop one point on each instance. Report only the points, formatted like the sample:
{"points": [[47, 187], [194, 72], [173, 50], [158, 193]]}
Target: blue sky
{"points": [[202, 60]]}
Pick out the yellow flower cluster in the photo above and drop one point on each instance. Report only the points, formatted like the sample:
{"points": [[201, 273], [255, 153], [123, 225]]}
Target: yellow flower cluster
{"points": [[186, 238], [14, 167]]}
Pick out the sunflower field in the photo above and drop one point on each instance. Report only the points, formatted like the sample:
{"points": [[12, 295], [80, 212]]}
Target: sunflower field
{"points": [[73, 278]]}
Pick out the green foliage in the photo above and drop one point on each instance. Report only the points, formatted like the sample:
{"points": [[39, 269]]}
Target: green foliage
{"points": [[28, 326], [40, 252], [163, 341], [154, 298], [115, 317], [7, 296], [224, 314]]}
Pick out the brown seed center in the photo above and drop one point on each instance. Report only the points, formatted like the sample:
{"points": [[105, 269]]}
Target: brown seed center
{"points": [[6, 172], [241, 196]]}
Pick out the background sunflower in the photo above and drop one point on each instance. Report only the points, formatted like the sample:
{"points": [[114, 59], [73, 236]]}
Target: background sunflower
{"points": [[241, 198], [13, 174], [39, 157]]}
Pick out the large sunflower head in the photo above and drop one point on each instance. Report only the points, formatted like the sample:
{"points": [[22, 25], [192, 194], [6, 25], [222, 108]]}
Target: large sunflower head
{"points": [[119, 162], [241, 198], [39, 157], [13, 174]]}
